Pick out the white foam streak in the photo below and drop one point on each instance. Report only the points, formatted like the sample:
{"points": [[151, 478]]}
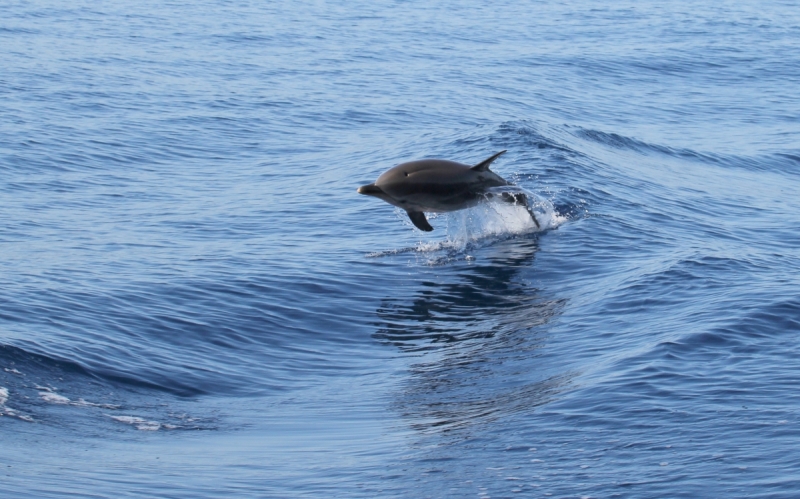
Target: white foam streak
{"points": [[141, 423], [83, 403], [54, 398], [7, 411], [49, 395]]}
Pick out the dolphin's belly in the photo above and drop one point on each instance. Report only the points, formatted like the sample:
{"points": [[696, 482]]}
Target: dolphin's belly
{"points": [[443, 202], [438, 197]]}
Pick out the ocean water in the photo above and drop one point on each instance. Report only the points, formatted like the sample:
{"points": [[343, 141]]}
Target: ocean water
{"points": [[196, 303]]}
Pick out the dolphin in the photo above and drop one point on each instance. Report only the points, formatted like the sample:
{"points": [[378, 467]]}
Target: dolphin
{"points": [[440, 186]]}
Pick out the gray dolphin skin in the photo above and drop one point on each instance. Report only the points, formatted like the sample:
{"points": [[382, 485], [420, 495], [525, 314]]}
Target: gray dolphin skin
{"points": [[440, 186]]}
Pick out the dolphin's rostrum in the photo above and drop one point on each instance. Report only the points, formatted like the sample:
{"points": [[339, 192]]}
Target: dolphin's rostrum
{"points": [[440, 186]]}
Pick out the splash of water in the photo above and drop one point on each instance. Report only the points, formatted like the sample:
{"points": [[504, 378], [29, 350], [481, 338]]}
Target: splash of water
{"points": [[498, 219], [490, 221]]}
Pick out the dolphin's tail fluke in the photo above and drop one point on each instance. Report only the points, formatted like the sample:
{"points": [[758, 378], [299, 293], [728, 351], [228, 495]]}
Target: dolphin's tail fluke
{"points": [[522, 199]]}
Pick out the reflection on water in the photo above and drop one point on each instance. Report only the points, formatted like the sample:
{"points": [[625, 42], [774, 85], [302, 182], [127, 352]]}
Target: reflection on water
{"points": [[477, 330]]}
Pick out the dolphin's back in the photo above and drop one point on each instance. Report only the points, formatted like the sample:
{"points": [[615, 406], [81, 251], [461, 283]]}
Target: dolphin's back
{"points": [[426, 170], [419, 180]]}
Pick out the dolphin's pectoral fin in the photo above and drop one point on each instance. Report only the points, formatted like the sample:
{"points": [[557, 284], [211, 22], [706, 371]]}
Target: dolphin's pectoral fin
{"points": [[419, 221], [484, 165], [521, 199]]}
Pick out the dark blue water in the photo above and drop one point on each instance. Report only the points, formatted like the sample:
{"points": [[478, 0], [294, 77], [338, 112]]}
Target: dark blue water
{"points": [[195, 302]]}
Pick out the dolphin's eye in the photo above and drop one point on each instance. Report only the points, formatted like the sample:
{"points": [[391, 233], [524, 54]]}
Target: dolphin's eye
{"points": [[405, 173]]}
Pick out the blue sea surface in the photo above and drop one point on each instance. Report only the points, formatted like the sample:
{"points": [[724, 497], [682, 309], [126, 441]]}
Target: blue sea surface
{"points": [[196, 303]]}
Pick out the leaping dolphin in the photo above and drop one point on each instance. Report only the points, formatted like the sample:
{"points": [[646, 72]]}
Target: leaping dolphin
{"points": [[440, 186]]}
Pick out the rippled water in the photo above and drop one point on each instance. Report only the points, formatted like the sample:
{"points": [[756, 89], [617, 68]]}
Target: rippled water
{"points": [[194, 301]]}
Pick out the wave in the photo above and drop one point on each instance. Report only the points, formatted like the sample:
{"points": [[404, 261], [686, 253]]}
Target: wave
{"points": [[12, 357], [559, 143], [784, 162], [44, 389]]}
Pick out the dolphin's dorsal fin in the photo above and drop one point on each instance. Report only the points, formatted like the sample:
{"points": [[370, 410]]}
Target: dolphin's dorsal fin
{"points": [[484, 165], [419, 220]]}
